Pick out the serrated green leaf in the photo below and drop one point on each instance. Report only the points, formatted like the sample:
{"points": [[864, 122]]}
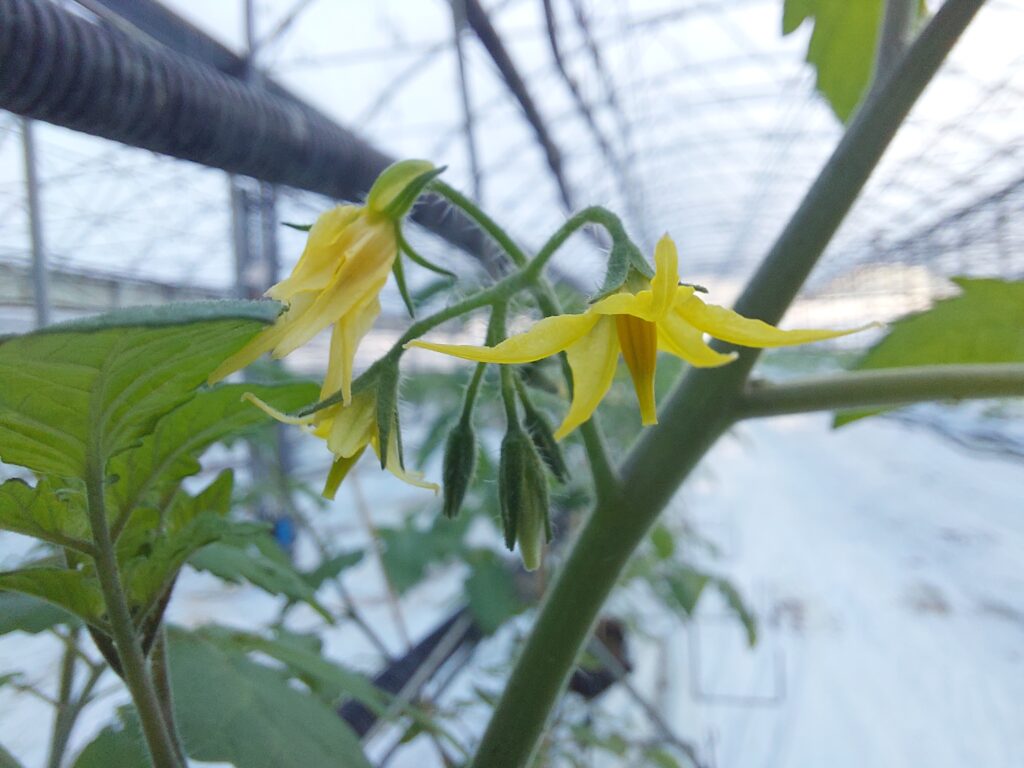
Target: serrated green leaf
{"points": [[491, 591], [233, 710], [99, 385], [983, 324], [150, 574], [43, 512], [73, 591], [171, 452], [236, 564], [843, 46], [24, 613]]}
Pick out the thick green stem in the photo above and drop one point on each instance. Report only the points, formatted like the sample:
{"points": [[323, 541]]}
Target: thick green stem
{"points": [[129, 649], [698, 411], [894, 386]]}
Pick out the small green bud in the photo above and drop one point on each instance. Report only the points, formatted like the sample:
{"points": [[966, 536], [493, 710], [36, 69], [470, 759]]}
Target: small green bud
{"points": [[398, 186], [523, 492], [459, 465]]}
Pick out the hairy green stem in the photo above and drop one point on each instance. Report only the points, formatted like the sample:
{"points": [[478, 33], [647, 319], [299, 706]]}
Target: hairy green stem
{"points": [[889, 387], [129, 648], [485, 222], [161, 670], [698, 411]]}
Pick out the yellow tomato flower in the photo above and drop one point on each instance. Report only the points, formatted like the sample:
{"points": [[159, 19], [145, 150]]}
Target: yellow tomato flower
{"points": [[348, 255], [348, 429], [664, 316]]}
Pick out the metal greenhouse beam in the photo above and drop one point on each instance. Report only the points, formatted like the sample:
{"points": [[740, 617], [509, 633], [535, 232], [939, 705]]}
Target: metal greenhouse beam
{"points": [[65, 69]]}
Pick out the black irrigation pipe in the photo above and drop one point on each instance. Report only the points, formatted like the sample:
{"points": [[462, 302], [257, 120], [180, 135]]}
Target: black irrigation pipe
{"points": [[66, 69]]}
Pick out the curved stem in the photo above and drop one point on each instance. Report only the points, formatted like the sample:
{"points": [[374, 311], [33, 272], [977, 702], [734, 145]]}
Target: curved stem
{"points": [[129, 649], [485, 222], [889, 387], [699, 410]]}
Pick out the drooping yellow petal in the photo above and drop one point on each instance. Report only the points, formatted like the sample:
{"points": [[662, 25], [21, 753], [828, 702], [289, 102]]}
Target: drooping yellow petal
{"points": [[666, 277], [732, 327], [677, 336], [345, 338], [353, 426], [265, 341], [359, 277], [592, 359], [547, 337], [325, 248], [638, 340], [339, 470], [272, 412]]}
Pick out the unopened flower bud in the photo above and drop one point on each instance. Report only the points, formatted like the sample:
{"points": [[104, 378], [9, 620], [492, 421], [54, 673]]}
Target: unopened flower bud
{"points": [[459, 465], [523, 492], [398, 186]]}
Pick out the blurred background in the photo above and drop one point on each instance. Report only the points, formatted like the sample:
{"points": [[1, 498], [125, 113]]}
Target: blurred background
{"points": [[881, 560]]}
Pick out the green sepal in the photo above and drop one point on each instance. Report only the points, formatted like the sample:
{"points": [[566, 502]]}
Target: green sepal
{"points": [[300, 227], [398, 270], [387, 408], [539, 429], [459, 465], [406, 248], [625, 262]]}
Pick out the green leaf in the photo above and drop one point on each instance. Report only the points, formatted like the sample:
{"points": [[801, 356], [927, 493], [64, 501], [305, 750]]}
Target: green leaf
{"points": [[170, 453], [685, 586], [306, 663], [330, 567], [842, 48], [735, 602], [491, 591], [237, 563], [118, 744], [409, 551], [99, 385], [233, 710], [73, 591], [663, 541], [45, 513], [24, 613], [983, 324]]}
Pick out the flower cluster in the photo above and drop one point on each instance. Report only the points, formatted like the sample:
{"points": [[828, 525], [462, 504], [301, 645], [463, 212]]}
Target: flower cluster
{"points": [[660, 314], [336, 283]]}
